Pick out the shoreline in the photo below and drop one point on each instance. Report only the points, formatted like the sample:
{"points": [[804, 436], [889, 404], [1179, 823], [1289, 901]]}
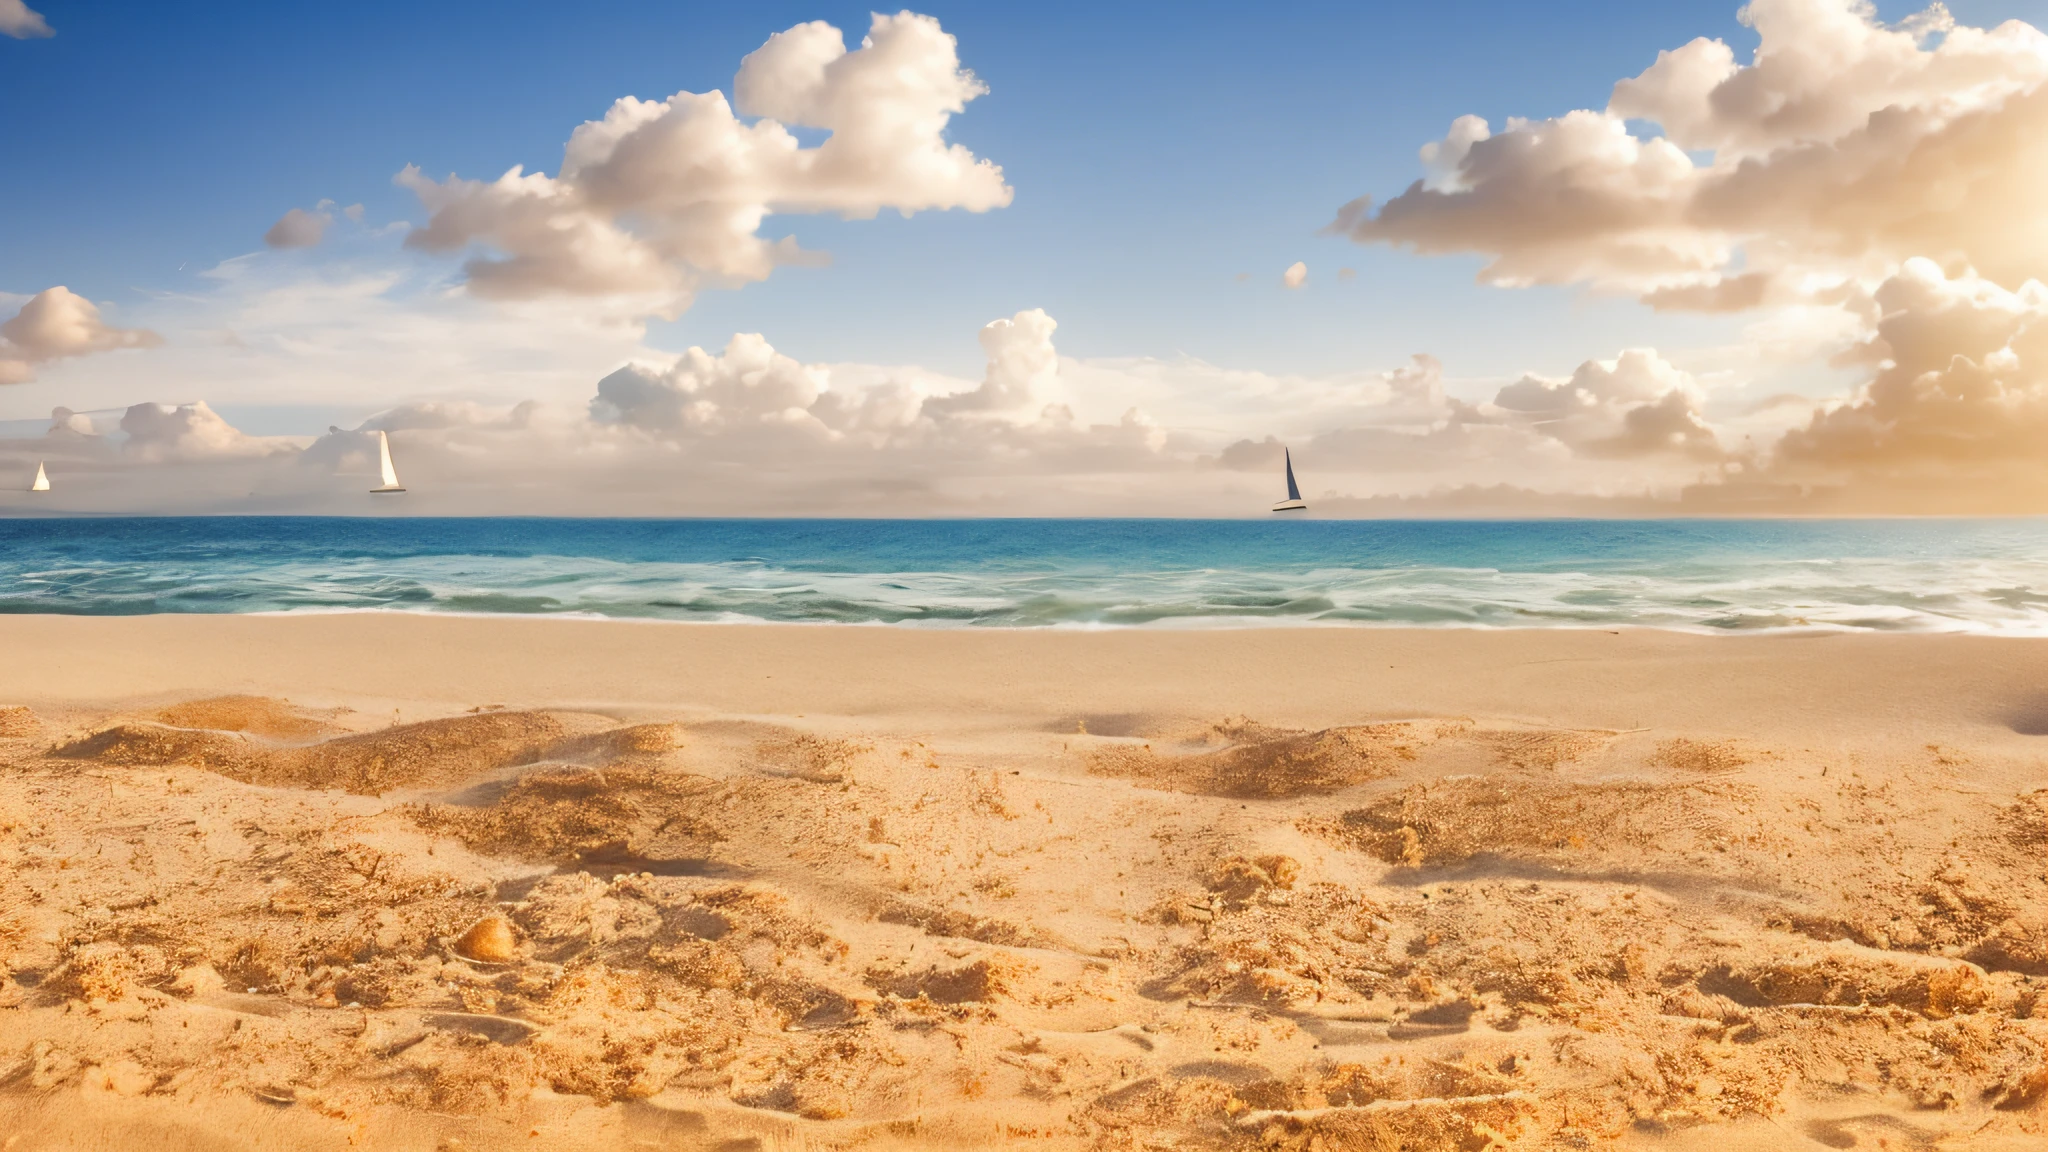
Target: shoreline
{"points": [[1166, 624]]}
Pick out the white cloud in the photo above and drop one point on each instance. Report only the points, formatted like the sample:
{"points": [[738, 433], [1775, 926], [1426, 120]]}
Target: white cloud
{"points": [[20, 21], [1632, 426], [298, 228], [751, 383], [1956, 412], [157, 433], [1021, 365], [1636, 404], [1822, 70], [1843, 148], [751, 394], [55, 324], [662, 197], [748, 429], [1296, 275]]}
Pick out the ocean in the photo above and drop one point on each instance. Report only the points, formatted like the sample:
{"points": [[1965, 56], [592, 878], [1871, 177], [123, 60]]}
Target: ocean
{"points": [[1987, 576]]}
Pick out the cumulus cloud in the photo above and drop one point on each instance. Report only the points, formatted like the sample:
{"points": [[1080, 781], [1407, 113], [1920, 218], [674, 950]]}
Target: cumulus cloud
{"points": [[1636, 404], [750, 391], [1632, 426], [750, 383], [21, 22], [1953, 417], [57, 323], [168, 432], [748, 428], [1021, 365], [1295, 276], [298, 228], [661, 197], [1844, 147], [1950, 419]]}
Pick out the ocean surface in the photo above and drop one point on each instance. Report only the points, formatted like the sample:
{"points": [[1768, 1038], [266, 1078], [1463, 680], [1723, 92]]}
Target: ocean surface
{"points": [[1711, 576]]}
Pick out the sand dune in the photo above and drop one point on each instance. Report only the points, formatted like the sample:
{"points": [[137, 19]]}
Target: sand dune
{"points": [[602, 885]]}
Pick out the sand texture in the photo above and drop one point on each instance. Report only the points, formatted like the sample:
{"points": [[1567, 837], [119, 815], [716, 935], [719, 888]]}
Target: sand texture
{"points": [[437, 883]]}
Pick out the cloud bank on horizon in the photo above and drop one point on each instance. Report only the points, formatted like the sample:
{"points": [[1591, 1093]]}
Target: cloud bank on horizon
{"points": [[1867, 187]]}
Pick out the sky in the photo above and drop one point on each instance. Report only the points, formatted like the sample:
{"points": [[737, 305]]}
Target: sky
{"points": [[801, 258]]}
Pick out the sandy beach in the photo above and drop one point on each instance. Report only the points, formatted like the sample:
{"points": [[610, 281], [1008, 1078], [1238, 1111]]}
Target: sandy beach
{"points": [[436, 882]]}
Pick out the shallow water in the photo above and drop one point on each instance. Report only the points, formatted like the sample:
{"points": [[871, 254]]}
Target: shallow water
{"points": [[1720, 575]]}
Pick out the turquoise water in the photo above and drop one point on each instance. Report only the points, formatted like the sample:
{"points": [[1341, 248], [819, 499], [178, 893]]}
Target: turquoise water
{"points": [[1901, 575]]}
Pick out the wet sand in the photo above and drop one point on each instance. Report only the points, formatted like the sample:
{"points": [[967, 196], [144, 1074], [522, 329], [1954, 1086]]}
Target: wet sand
{"points": [[436, 882]]}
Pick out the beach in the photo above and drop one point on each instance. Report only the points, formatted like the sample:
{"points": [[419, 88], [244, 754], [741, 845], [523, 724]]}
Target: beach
{"points": [[395, 880], [725, 578]]}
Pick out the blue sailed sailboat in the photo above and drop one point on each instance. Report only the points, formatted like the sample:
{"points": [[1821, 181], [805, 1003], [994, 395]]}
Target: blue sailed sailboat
{"points": [[1294, 502]]}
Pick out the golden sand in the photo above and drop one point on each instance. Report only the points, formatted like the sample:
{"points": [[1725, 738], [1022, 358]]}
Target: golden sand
{"points": [[366, 881]]}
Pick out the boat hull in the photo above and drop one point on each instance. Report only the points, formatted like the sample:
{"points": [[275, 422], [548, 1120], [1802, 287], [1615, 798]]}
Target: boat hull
{"points": [[1291, 506], [386, 491]]}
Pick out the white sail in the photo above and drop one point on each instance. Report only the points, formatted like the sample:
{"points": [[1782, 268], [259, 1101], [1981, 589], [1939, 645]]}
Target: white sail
{"points": [[388, 473], [42, 483]]}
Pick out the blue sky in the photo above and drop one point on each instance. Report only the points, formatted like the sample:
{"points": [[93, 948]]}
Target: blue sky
{"points": [[1169, 161], [1158, 150]]}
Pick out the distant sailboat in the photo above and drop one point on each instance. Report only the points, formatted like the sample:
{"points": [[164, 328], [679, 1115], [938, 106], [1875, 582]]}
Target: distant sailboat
{"points": [[42, 483], [384, 462], [1294, 502]]}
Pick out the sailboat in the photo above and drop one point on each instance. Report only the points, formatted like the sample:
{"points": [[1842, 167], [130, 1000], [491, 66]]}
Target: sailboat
{"points": [[42, 483], [1294, 502], [390, 474]]}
